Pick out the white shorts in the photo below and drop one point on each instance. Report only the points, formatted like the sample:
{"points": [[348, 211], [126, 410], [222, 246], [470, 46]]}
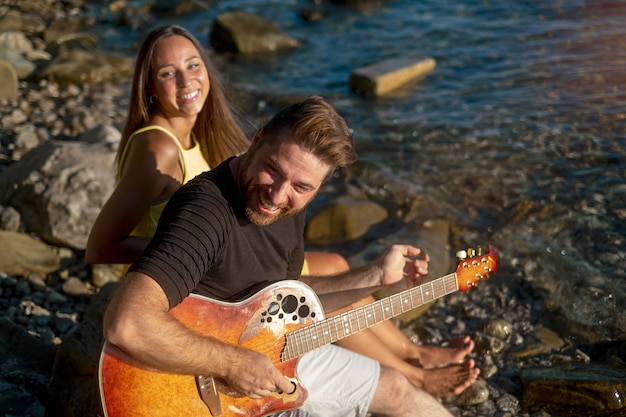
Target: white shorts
{"points": [[340, 383]]}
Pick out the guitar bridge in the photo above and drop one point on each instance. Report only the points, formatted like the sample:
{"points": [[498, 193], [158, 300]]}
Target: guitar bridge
{"points": [[208, 393]]}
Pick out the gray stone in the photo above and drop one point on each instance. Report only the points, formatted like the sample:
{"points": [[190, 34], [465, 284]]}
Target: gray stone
{"points": [[59, 189]]}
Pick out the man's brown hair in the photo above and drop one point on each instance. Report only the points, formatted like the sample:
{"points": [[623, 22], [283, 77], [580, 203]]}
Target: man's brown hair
{"points": [[316, 126]]}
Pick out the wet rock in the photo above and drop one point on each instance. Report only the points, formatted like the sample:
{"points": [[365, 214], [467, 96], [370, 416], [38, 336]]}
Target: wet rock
{"points": [[383, 77], [476, 393], [246, 33], [488, 345], [178, 8], [501, 329], [590, 387], [545, 341]]}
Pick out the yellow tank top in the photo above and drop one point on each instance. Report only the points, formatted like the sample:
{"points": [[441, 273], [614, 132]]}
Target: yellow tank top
{"points": [[192, 163]]}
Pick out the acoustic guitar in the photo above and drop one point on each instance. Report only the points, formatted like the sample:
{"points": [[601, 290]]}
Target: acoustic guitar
{"points": [[284, 321]]}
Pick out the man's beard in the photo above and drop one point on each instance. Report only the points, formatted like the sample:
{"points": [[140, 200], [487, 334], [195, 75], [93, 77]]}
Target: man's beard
{"points": [[254, 198]]}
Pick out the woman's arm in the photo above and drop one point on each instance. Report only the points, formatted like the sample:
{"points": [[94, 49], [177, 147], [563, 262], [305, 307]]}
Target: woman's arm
{"points": [[151, 173]]}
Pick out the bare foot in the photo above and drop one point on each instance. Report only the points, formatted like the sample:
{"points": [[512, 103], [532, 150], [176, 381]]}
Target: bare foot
{"points": [[430, 357], [449, 380]]}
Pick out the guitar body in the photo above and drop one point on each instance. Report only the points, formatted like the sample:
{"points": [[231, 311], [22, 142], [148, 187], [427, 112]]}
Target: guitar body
{"points": [[259, 323]]}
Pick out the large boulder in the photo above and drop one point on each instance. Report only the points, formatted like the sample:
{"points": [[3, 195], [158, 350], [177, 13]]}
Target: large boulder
{"points": [[247, 33], [343, 221], [59, 189]]}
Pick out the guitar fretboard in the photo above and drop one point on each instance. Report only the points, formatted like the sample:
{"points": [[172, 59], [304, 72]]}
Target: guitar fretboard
{"points": [[335, 328]]}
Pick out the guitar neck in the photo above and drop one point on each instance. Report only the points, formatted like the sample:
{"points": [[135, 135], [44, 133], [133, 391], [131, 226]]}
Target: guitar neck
{"points": [[308, 338]]}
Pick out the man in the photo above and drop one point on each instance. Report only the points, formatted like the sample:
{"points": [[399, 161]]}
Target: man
{"points": [[242, 224]]}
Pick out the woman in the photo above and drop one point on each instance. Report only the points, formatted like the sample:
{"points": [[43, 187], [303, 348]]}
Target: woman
{"points": [[179, 125]]}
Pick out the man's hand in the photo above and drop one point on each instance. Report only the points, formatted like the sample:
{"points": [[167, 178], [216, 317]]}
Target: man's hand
{"points": [[401, 268], [254, 375]]}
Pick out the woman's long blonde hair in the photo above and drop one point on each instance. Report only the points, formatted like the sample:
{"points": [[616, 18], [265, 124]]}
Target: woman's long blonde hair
{"points": [[217, 128]]}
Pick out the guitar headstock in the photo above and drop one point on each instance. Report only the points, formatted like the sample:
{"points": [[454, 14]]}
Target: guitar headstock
{"points": [[475, 266]]}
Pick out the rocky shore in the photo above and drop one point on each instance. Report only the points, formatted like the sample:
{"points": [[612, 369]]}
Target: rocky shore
{"points": [[62, 103]]}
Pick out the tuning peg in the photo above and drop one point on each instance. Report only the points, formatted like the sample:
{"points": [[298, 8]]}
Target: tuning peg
{"points": [[461, 255]]}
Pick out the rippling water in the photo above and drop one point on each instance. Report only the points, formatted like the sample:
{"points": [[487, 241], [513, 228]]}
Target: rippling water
{"points": [[517, 137]]}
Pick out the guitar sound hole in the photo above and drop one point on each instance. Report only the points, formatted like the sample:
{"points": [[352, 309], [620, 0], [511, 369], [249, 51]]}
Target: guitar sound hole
{"points": [[290, 304], [273, 308], [304, 311]]}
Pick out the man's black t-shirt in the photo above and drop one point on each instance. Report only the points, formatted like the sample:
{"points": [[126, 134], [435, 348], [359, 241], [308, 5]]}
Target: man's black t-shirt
{"points": [[205, 244]]}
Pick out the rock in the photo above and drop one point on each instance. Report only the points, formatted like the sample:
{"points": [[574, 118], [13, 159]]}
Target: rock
{"points": [[10, 219], [343, 221], [26, 138], [73, 387], [501, 329], [26, 369], [246, 33], [381, 78], [75, 287], [9, 88], [179, 8], [16, 41], [587, 387], [22, 255], [103, 133], [104, 274], [62, 26], [59, 188], [476, 393], [71, 40], [28, 23], [79, 67], [23, 67], [546, 341], [487, 345]]}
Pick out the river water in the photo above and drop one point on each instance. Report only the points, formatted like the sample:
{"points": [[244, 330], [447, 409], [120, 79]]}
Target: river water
{"points": [[517, 137]]}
